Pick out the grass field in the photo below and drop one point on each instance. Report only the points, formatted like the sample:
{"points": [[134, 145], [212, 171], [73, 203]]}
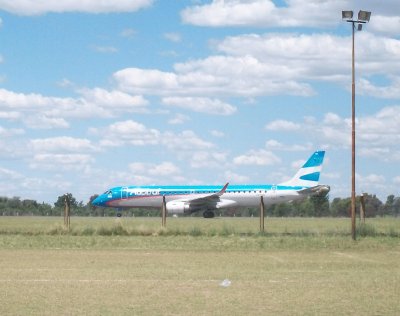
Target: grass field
{"points": [[130, 266]]}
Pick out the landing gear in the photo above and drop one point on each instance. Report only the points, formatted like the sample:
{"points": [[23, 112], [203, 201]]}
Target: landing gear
{"points": [[208, 214]]}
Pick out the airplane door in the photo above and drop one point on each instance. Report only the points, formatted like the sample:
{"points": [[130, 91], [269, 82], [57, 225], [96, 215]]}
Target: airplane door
{"points": [[273, 192], [124, 193]]}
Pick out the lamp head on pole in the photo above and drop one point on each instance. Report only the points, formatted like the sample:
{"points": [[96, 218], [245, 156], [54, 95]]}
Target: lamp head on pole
{"points": [[347, 15], [363, 16]]}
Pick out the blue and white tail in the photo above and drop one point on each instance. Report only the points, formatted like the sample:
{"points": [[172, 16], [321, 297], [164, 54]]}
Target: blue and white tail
{"points": [[308, 175]]}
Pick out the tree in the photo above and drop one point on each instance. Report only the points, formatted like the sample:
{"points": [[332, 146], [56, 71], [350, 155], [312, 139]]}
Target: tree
{"points": [[340, 207], [373, 206], [320, 205], [60, 203]]}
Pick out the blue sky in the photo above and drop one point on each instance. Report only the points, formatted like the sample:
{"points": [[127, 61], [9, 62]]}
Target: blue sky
{"points": [[95, 94]]}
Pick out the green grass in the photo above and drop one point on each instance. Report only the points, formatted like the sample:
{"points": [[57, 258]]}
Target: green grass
{"points": [[300, 227], [134, 267]]}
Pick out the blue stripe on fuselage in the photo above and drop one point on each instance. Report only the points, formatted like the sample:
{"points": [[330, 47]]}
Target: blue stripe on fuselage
{"points": [[202, 189]]}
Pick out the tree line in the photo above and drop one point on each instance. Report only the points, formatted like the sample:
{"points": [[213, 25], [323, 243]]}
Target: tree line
{"points": [[316, 206]]}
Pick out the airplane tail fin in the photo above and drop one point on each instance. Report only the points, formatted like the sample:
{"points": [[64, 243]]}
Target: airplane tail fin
{"points": [[308, 174]]}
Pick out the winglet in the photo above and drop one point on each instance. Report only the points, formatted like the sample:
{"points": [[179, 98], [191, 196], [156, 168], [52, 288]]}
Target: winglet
{"points": [[222, 190]]}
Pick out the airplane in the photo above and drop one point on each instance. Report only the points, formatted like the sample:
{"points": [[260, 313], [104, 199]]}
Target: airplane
{"points": [[209, 198]]}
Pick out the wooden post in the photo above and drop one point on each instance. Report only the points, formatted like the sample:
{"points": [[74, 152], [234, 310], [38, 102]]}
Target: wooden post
{"points": [[67, 212], [164, 213], [262, 211], [362, 208]]}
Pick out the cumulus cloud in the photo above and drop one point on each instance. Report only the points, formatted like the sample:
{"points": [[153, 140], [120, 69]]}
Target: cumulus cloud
{"points": [[105, 49], [208, 159], [24, 7], [129, 132], [63, 144], [282, 125], [155, 170], [185, 141], [9, 132], [203, 105], [391, 91], [173, 37], [213, 76], [43, 112], [60, 161], [263, 13], [273, 144], [178, 119], [377, 134], [257, 157], [388, 25], [134, 133], [233, 177], [253, 65], [114, 99]]}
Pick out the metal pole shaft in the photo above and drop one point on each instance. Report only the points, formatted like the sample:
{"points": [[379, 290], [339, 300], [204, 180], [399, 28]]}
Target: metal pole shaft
{"points": [[353, 143]]}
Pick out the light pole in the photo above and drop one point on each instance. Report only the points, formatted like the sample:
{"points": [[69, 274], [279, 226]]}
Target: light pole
{"points": [[363, 17]]}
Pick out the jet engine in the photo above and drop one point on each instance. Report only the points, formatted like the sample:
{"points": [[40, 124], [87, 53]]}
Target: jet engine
{"points": [[185, 208], [180, 208]]}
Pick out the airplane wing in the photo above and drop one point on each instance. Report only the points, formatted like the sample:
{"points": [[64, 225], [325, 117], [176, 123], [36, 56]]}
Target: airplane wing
{"points": [[205, 199]]}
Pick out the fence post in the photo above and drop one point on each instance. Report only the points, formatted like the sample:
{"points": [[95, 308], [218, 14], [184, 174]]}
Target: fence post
{"points": [[163, 213], [362, 208], [262, 211], [67, 211]]}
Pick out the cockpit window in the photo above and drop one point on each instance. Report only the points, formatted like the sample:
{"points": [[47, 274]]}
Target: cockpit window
{"points": [[107, 192]]}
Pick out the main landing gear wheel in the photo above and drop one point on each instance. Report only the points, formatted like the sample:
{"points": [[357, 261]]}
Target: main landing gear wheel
{"points": [[208, 214]]}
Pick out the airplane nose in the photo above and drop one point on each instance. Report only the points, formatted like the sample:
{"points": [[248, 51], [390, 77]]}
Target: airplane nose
{"points": [[97, 201]]}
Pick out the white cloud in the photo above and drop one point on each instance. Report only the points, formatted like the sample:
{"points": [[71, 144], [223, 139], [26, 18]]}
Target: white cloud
{"points": [[217, 133], [7, 174], [370, 183], [39, 121], [203, 105], [389, 25], [391, 91], [253, 65], [216, 75], [129, 132], [62, 144], [208, 159], [136, 134], [146, 80], [154, 170], [179, 119], [42, 112], [264, 13], [185, 141], [60, 161], [282, 125], [24, 7], [273, 144], [10, 115], [257, 157], [106, 49], [114, 100], [233, 177], [9, 132], [173, 37], [377, 134], [128, 33]]}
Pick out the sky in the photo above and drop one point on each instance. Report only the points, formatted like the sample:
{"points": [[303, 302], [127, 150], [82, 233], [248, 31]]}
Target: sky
{"points": [[96, 94]]}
